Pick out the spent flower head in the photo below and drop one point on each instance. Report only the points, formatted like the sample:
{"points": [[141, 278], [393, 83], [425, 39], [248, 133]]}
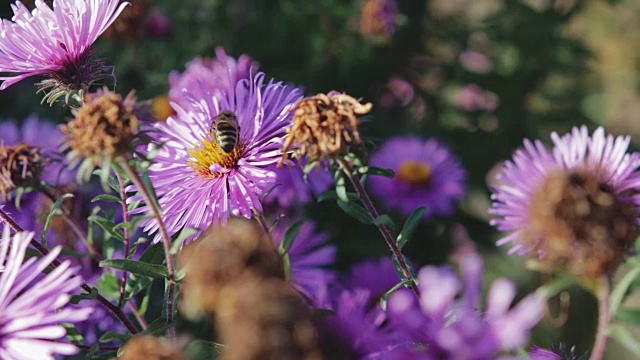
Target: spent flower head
{"points": [[56, 43], [378, 19], [199, 183], [576, 206], [325, 126], [104, 128], [33, 304]]}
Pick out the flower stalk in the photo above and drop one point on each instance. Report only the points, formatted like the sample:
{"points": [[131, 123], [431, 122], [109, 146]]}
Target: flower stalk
{"points": [[604, 318], [384, 230]]}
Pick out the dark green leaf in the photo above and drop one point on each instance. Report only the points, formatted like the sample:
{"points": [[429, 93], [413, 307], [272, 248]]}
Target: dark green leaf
{"points": [[52, 213], [385, 219], [287, 266], [372, 170], [620, 291], [111, 335], [107, 225], [356, 211], [290, 236], [106, 197], [137, 267], [341, 187], [177, 243], [385, 297], [73, 334], [109, 286], [205, 350], [332, 195], [629, 315], [410, 226]]}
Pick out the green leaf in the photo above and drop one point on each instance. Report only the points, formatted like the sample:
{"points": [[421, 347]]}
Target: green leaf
{"points": [[157, 327], [109, 286], [137, 267], [385, 219], [290, 236], [73, 334], [341, 187], [111, 335], [410, 226], [372, 170], [396, 263], [629, 315], [332, 195], [385, 297], [204, 350], [356, 211], [620, 291], [555, 286], [107, 197], [622, 335], [52, 213], [85, 296], [177, 243], [107, 225], [286, 260]]}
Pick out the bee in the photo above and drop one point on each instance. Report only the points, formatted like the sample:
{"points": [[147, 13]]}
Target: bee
{"points": [[225, 129]]}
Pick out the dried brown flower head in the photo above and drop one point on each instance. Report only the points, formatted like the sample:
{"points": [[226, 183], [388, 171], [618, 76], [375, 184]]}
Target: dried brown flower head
{"points": [[325, 126], [219, 257], [262, 319], [129, 26], [583, 223], [161, 108], [149, 347], [104, 128], [20, 166]]}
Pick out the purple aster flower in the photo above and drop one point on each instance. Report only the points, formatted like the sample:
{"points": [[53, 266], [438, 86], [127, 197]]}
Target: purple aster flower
{"points": [[355, 331], [56, 42], [557, 352], [208, 76], [33, 304], [427, 174], [292, 190], [540, 197], [378, 19], [310, 256], [196, 181], [445, 322], [377, 276]]}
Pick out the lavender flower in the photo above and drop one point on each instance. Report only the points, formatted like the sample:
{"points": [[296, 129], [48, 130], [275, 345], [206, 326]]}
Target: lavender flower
{"points": [[441, 327], [557, 352], [32, 304], [427, 173], [209, 76], [196, 181], [573, 205], [310, 256], [377, 276], [56, 42]]}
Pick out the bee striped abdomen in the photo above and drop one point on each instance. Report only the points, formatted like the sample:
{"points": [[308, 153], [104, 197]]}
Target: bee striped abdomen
{"points": [[227, 130]]}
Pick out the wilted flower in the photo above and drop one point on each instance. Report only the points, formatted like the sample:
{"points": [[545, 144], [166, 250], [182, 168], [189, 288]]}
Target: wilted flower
{"points": [[33, 303], [575, 206], [325, 126], [149, 347], [446, 323], [205, 77], [218, 258], [310, 257], [265, 319], [196, 181], [103, 129], [161, 108], [378, 18], [427, 174], [56, 43]]}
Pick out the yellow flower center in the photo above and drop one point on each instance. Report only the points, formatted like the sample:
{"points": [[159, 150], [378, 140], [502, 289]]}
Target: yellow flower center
{"points": [[414, 172], [209, 153]]}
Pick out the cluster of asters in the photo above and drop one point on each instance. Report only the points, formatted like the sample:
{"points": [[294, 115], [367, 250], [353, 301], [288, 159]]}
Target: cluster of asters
{"points": [[575, 205]]}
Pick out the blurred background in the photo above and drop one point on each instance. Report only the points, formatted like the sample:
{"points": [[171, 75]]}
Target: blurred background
{"points": [[480, 75]]}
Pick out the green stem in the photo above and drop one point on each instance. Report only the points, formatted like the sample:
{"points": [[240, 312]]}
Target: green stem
{"points": [[384, 230], [166, 239]]}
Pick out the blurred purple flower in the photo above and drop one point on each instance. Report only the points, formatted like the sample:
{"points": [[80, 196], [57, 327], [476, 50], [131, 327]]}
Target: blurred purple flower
{"points": [[209, 76], [378, 18], [311, 255], [292, 190], [599, 155], [472, 98], [377, 276], [54, 42], [397, 92], [197, 183], [475, 62], [427, 174], [32, 303], [355, 331], [159, 25], [445, 323]]}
